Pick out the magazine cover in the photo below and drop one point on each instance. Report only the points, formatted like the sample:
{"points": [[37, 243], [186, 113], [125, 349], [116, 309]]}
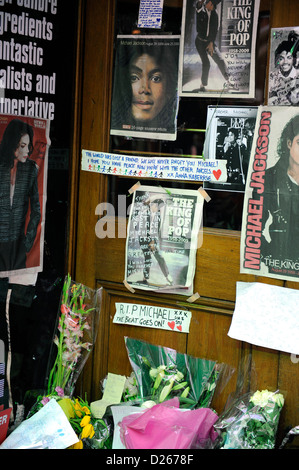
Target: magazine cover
{"points": [[229, 136], [163, 236], [217, 53], [270, 225], [145, 87], [283, 78], [24, 143]]}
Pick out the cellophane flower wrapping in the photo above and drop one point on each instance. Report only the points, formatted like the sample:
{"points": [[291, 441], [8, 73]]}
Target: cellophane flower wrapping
{"points": [[162, 373], [166, 426], [77, 326], [289, 436], [251, 422]]}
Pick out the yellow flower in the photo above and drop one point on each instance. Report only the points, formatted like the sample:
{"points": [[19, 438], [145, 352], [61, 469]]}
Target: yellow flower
{"points": [[85, 421], [78, 408], [78, 445], [86, 410], [87, 431]]}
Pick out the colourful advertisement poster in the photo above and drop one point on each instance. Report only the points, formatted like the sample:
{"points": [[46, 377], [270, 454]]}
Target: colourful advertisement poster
{"points": [[270, 225], [24, 143]]}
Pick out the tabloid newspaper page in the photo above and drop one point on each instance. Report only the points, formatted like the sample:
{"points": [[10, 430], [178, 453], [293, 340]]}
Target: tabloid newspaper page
{"points": [[164, 232], [145, 87], [24, 145], [270, 225], [229, 135], [283, 78], [217, 53]]}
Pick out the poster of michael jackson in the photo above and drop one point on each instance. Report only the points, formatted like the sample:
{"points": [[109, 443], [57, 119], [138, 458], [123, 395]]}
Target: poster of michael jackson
{"points": [[283, 78], [24, 143], [164, 232], [217, 53], [270, 226], [145, 87], [229, 135]]}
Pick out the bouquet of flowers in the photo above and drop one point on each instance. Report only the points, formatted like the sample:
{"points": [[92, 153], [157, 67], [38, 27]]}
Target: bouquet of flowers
{"points": [[93, 433], [77, 329], [251, 422], [163, 373], [166, 426]]}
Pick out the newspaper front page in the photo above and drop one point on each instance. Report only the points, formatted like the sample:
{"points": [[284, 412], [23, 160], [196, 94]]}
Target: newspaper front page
{"points": [[229, 136], [164, 232], [217, 53]]}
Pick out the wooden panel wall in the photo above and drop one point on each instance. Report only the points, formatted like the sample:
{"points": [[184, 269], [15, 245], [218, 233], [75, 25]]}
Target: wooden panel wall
{"points": [[100, 262]]}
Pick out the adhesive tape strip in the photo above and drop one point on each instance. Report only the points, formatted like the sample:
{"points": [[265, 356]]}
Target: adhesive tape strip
{"points": [[128, 286], [134, 187], [204, 194], [193, 297]]}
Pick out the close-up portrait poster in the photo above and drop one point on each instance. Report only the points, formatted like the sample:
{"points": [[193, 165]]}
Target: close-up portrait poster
{"points": [[24, 144], [270, 226], [145, 87]]}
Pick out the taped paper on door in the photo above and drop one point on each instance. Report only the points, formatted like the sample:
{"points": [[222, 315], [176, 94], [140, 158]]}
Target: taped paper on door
{"points": [[153, 317], [266, 315]]}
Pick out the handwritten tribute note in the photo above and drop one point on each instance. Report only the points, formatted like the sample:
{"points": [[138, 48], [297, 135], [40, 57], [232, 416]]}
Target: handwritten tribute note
{"points": [[152, 317], [189, 169], [150, 14]]}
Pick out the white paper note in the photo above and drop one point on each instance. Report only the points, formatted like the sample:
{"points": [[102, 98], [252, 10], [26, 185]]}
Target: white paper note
{"points": [[112, 394], [266, 315]]}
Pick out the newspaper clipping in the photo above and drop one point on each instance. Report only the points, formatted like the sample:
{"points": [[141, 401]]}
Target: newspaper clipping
{"points": [[23, 174], [217, 54], [270, 226], [145, 87], [283, 79], [229, 137], [164, 232]]}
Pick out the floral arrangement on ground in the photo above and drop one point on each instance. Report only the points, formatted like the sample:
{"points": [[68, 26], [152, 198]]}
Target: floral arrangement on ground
{"points": [[166, 402]]}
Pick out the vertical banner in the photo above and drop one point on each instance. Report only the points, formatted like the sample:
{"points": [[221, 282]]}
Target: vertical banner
{"points": [[145, 87], [217, 54], [270, 225], [24, 143]]}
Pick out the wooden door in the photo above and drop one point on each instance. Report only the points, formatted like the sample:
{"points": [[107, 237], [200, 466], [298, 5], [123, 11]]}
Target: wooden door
{"points": [[101, 262]]}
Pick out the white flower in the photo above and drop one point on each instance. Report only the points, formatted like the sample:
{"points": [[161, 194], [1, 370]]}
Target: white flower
{"points": [[130, 386], [148, 404], [262, 398], [153, 373]]}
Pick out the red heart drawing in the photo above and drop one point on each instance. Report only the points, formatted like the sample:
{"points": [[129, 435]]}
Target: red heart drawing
{"points": [[179, 327], [217, 174], [171, 324]]}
